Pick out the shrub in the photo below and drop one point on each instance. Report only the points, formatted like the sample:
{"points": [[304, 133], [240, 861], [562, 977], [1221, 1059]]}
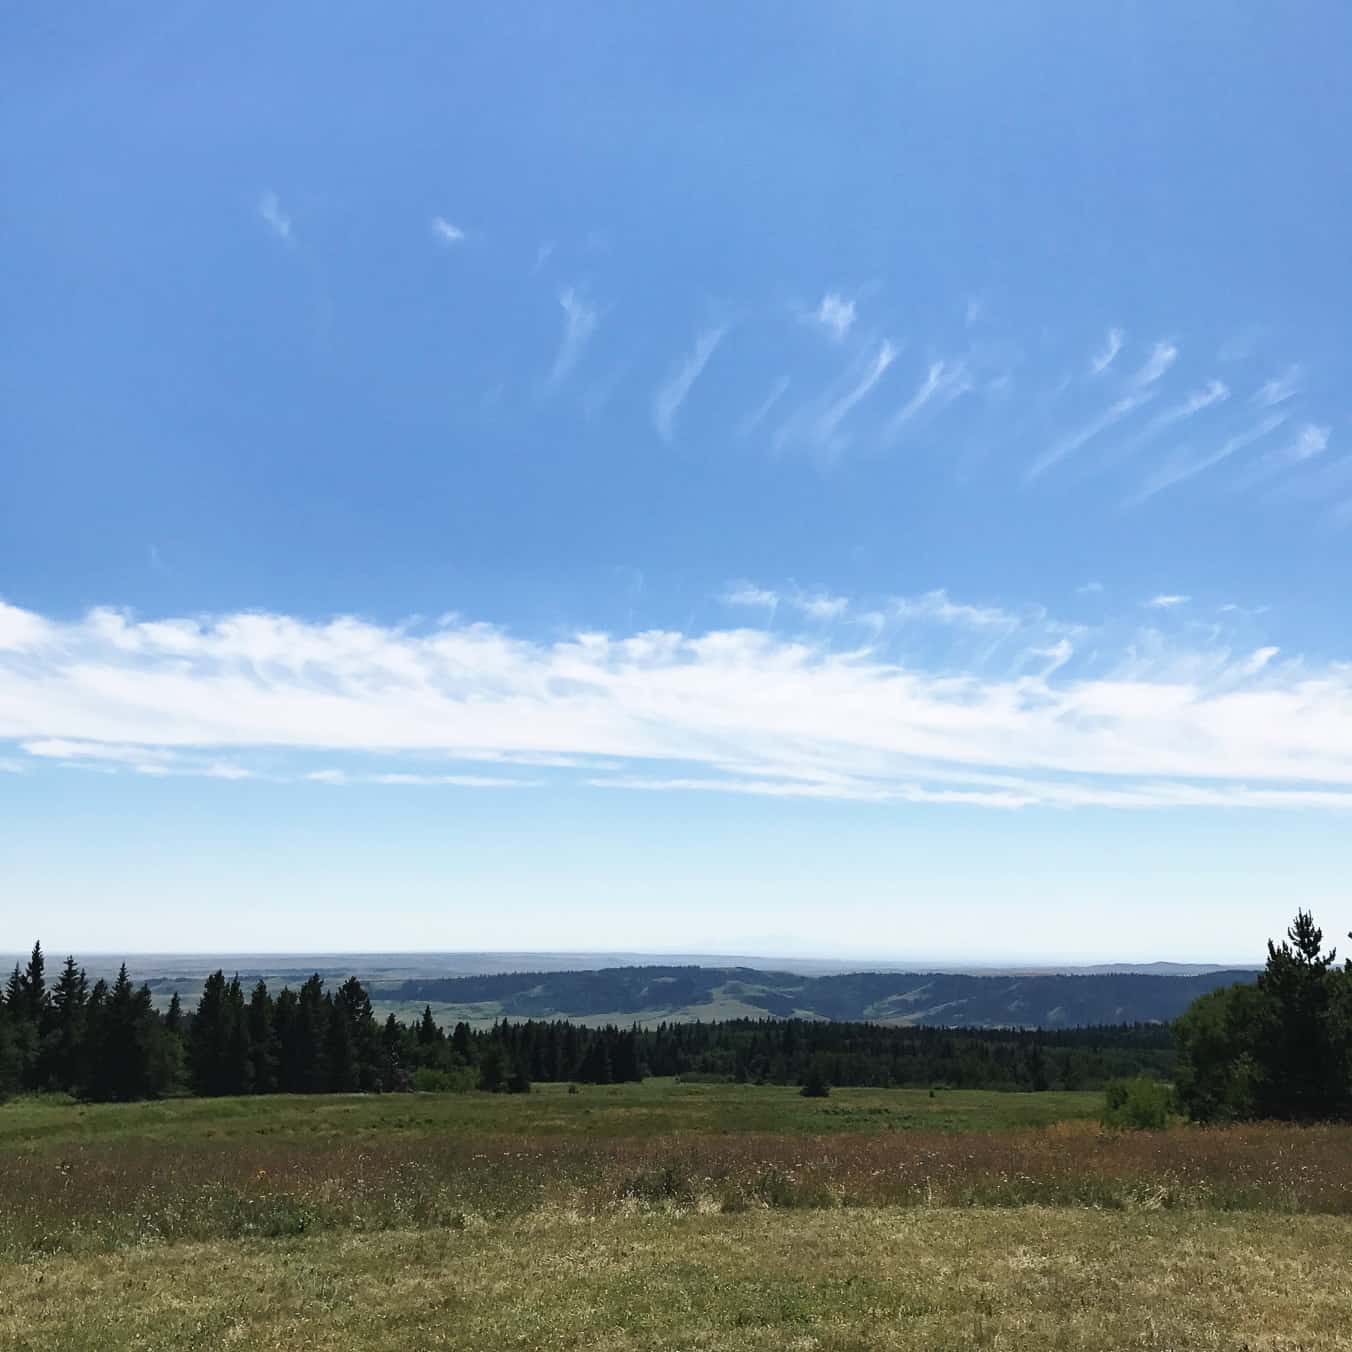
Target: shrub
{"points": [[429, 1080], [1138, 1104], [815, 1086]]}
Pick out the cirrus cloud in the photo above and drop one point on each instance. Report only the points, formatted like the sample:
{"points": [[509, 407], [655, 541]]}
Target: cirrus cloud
{"points": [[736, 709]]}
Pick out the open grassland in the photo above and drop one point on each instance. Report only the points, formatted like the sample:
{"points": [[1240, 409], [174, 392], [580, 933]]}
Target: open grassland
{"points": [[653, 1108], [808, 1281], [94, 1179]]}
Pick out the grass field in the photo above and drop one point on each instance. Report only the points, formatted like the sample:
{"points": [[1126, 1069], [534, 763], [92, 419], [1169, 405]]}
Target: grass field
{"points": [[653, 1108], [665, 1216]]}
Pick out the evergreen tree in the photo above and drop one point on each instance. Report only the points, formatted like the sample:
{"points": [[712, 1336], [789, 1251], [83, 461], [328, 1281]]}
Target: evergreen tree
{"points": [[122, 1053], [340, 1052], [262, 1041], [492, 1070], [34, 989], [312, 1028], [208, 1037], [67, 1061]]}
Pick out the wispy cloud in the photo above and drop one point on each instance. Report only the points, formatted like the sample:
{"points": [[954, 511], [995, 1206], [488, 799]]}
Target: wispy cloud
{"points": [[734, 710], [1310, 441], [1184, 467], [1107, 354], [271, 213], [1280, 388], [820, 605], [944, 381], [938, 607], [673, 391], [816, 605], [1214, 392], [1167, 601], [748, 594], [445, 231], [828, 424], [579, 323], [1089, 589], [1129, 403], [762, 410], [1162, 357], [835, 314]]}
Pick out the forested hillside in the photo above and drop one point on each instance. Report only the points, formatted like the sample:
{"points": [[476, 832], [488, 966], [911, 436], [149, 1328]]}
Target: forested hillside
{"points": [[931, 998]]}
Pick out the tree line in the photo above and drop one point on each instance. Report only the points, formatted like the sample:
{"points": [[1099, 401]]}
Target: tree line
{"points": [[109, 1042], [1280, 1047]]}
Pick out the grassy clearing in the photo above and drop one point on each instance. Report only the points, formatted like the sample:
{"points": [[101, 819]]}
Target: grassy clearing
{"points": [[653, 1108], [840, 1281], [93, 1180]]}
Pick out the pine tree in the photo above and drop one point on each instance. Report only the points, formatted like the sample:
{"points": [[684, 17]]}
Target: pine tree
{"points": [[122, 1053], [340, 1053], [263, 1041], [67, 1061], [207, 1039], [238, 1065], [35, 989]]}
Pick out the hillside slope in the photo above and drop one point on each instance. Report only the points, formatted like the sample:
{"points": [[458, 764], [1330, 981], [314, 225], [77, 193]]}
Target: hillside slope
{"points": [[934, 998]]}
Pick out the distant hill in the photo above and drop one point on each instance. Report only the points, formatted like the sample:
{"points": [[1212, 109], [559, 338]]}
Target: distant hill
{"points": [[649, 993]]}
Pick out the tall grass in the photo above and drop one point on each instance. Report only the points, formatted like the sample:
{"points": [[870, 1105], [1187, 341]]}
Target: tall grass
{"points": [[104, 1195]]}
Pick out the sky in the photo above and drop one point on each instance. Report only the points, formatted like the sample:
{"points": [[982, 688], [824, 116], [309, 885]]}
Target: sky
{"points": [[846, 481]]}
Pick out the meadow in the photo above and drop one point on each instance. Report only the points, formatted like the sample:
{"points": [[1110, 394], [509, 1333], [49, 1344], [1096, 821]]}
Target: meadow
{"points": [[665, 1215]]}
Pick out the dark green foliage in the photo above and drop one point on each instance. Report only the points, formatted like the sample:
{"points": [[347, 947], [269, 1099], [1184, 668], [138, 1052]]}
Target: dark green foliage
{"points": [[112, 1044], [1137, 1104], [127, 1059], [1280, 1049], [815, 1085]]}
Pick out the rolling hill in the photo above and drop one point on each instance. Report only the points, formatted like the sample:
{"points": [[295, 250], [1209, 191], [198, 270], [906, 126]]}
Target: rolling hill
{"points": [[651, 993]]}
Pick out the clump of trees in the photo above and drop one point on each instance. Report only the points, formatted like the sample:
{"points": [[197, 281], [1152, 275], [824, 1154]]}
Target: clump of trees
{"points": [[1280, 1048], [105, 1041]]}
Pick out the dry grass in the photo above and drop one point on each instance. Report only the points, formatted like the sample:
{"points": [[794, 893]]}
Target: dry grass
{"points": [[111, 1194], [809, 1281]]}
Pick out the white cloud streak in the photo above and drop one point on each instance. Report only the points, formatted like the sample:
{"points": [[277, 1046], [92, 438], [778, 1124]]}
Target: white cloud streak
{"points": [[1312, 440], [828, 424], [271, 214], [1182, 468], [1107, 354], [1162, 357], [672, 393], [1123, 407], [1167, 601], [762, 410], [835, 314], [738, 710], [445, 231], [944, 381], [579, 323], [1279, 389]]}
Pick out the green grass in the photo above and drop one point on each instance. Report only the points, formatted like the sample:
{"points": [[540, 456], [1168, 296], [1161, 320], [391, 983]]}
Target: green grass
{"points": [[654, 1108], [839, 1281], [665, 1216]]}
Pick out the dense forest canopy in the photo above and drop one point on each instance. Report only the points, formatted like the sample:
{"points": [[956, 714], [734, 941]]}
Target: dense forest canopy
{"points": [[109, 1042]]}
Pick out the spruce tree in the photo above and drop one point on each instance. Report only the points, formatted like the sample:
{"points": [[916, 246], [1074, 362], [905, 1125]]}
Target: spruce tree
{"points": [[208, 1037], [263, 1040], [66, 1058]]}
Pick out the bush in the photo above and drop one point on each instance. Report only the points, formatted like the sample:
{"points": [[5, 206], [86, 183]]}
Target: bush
{"points": [[1138, 1104], [815, 1085], [429, 1080]]}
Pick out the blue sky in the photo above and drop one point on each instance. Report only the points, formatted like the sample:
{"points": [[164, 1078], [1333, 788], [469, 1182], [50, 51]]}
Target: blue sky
{"points": [[849, 480]]}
